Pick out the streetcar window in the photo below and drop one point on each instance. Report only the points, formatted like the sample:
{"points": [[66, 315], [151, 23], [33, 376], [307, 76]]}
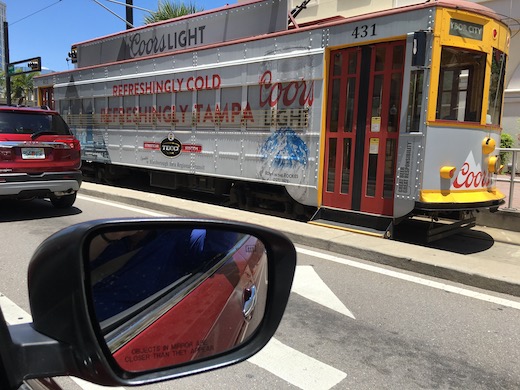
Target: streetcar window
{"points": [[377, 96], [264, 117], [86, 112], [47, 97], [331, 172], [100, 104], [146, 117], [496, 87], [75, 110], [380, 59], [166, 117], [334, 109], [350, 104], [230, 107], [205, 108], [337, 64], [395, 102], [130, 119], [415, 97], [111, 114], [461, 85], [183, 115]]}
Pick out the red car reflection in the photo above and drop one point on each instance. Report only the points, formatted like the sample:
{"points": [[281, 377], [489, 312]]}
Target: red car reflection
{"points": [[219, 313]]}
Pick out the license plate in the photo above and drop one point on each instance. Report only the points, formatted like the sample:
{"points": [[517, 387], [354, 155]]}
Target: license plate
{"points": [[33, 153]]}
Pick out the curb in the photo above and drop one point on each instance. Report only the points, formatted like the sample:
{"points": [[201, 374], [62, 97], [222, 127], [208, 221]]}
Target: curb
{"points": [[507, 219], [489, 274]]}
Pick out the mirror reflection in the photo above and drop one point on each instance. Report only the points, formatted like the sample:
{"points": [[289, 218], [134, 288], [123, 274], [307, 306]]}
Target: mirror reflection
{"points": [[168, 296]]}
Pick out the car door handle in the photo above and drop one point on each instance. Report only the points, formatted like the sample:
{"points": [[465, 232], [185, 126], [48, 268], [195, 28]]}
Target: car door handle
{"points": [[250, 299]]}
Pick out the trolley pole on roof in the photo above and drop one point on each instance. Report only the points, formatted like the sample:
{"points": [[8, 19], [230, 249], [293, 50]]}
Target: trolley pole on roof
{"points": [[129, 14]]}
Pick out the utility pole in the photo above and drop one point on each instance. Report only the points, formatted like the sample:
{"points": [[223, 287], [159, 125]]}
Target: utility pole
{"points": [[129, 14], [6, 66]]}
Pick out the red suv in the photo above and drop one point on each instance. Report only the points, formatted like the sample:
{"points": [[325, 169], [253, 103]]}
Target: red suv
{"points": [[39, 156]]}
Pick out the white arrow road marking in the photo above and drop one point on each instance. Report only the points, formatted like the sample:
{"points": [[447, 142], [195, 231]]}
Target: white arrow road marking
{"points": [[297, 368], [123, 207], [308, 284], [411, 278]]}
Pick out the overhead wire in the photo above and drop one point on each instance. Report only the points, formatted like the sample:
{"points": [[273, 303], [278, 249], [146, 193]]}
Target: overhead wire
{"points": [[34, 13], [97, 2], [113, 13], [132, 6]]}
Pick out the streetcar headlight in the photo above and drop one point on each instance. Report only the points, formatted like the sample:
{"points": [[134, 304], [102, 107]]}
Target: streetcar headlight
{"points": [[447, 172], [488, 145], [494, 164]]}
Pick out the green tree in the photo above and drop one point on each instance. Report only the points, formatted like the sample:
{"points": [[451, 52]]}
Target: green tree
{"points": [[22, 86], [506, 141], [168, 9], [2, 84]]}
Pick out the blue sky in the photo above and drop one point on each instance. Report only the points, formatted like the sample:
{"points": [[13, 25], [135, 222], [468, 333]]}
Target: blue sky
{"points": [[48, 28]]}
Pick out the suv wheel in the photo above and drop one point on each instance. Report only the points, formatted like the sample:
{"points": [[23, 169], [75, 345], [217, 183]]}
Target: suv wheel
{"points": [[63, 202]]}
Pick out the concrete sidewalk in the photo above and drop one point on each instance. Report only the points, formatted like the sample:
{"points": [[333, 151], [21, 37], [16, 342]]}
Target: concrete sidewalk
{"points": [[497, 271]]}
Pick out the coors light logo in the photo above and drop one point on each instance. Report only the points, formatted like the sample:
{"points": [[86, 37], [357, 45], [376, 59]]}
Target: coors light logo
{"points": [[472, 176]]}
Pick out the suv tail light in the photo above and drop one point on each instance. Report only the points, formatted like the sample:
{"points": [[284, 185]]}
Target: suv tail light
{"points": [[72, 143], [70, 151]]}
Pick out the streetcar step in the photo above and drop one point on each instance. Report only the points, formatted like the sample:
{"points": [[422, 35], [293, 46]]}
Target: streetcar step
{"points": [[374, 225]]}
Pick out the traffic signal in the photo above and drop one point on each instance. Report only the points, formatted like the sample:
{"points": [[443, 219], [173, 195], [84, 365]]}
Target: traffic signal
{"points": [[73, 54], [35, 64]]}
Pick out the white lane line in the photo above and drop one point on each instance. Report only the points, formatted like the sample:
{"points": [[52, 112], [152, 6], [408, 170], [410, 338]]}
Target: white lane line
{"points": [[297, 368], [122, 206], [15, 315], [92, 386], [285, 362], [413, 279], [308, 284]]}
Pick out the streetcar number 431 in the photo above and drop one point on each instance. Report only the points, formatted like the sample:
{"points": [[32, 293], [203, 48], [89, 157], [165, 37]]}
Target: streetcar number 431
{"points": [[364, 31]]}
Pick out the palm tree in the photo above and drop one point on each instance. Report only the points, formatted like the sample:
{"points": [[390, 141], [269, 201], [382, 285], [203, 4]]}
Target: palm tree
{"points": [[168, 9], [22, 86]]}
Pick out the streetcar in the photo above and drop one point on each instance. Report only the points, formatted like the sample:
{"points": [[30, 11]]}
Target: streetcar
{"points": [[356, 122]]}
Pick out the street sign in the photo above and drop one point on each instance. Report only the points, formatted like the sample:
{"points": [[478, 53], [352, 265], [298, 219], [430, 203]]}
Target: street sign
{"points": [[34, 64]]}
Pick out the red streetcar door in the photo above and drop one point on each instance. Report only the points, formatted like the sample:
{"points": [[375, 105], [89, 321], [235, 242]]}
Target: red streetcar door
{"points": [[340, 134], [47, 97], [382, 128], [362, 131]]}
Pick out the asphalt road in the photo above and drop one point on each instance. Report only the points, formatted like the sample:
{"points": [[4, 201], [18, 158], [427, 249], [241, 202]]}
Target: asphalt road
{"points": [[349, 324]]}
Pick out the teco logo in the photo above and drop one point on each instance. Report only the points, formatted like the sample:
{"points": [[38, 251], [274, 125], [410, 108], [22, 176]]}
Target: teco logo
{"points": [[171, 146]]}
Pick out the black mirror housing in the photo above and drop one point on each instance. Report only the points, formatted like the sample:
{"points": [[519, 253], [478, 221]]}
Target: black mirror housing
{"points": [[63, 330]]}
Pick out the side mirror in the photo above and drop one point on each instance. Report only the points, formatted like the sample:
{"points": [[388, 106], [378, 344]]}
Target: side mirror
{"points": [[134, 301]]}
